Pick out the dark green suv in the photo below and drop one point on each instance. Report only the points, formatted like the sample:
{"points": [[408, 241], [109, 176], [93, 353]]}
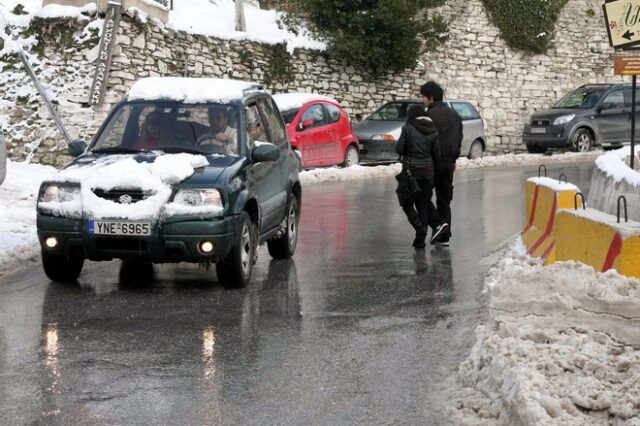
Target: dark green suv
{"points": [[182, 170]]}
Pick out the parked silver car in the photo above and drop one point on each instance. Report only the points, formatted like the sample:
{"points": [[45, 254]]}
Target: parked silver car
{"points": [[3, 159], [379, 132]]}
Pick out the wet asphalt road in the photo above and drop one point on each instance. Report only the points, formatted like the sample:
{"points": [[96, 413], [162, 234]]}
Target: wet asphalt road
{"points": [[357, 328]]}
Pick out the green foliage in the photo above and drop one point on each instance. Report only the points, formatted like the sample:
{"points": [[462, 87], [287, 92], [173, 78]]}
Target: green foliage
{"points": [[279, 66], [375, 35], [526, 25], [19, 10]]}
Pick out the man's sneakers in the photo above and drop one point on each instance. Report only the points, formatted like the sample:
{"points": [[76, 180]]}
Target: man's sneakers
{"points": [[419, 241], [438, 234], [442, 242]]}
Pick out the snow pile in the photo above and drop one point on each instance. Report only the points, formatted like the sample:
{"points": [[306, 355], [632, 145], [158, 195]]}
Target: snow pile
{"points": [[18, 239], [153, 178], [336, 174], [615, 164], [562, 348]]}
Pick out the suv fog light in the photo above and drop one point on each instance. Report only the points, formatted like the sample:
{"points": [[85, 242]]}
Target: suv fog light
{"points": [[205, 247], [51, 242]]}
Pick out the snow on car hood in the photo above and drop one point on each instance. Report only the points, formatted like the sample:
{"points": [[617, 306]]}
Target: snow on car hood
{"points": [[124, 172]]}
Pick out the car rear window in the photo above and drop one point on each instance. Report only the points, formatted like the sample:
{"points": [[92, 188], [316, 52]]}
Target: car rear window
{"points": [[465, 110], [289, 115], [392, 111], [582, 98]]}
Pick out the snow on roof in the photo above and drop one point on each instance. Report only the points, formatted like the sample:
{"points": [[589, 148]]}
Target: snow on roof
{"points": [[189, 90], [286, 101]]}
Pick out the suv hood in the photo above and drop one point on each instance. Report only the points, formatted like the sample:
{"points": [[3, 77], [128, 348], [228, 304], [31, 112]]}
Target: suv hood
{"points": [[367, 128], [151, 176]]}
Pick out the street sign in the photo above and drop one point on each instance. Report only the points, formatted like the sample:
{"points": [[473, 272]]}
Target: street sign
{"points": [[626, 65], [622, 18]]}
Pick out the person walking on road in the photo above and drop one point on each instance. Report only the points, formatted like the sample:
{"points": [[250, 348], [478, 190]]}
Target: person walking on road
{"points": [[418, 145], [449, 126]]}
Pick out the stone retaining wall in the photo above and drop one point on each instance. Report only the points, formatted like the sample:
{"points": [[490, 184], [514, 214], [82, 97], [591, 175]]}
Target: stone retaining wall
{"points": [[474, 64]]}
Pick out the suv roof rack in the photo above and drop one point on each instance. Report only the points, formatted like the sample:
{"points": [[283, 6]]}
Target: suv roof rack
{"points": [[253, 89]]}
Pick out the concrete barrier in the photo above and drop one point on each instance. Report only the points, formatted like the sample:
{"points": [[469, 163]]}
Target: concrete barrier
{"points": [[611, 178], [597, 239], [543, 197]]}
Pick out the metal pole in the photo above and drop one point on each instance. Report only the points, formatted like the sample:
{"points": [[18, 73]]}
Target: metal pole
{"points": [[633, 121], [47, 101]]}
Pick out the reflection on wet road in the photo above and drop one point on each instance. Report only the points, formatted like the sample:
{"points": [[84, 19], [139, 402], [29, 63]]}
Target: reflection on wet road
{"points": [[358, 328]]}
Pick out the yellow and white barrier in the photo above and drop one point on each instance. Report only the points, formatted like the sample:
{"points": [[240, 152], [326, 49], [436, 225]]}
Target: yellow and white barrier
{"points": [[543, 197]]}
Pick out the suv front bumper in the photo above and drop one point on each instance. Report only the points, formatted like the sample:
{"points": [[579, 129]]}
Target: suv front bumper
{"points": [[553, 137], [168, 243]]}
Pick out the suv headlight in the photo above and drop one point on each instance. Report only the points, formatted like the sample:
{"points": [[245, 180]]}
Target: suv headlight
{"points": [[563, 119], [199, 198], [388, 138], [59, 193]]}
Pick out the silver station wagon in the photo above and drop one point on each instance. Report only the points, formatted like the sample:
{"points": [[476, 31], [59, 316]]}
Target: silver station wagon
{"points": [[379, 132]]}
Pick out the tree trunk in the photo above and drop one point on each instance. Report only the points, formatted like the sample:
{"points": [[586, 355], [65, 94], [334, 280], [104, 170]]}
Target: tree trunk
{"points": [[241, 24]]}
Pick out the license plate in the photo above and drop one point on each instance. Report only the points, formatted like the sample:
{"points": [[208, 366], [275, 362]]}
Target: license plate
{"points": [[119, 227], [538, 130]]}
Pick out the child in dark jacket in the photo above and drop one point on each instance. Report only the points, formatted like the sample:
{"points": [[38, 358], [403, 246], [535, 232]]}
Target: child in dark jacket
{"points": [[418, 145]]}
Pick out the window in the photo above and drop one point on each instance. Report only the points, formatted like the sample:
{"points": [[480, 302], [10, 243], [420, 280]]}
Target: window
{"points": [[392, 111], [465, 110], [613, 100], [255, 126], [333, 112], [275, 128], [583, 98], [314, 113]]}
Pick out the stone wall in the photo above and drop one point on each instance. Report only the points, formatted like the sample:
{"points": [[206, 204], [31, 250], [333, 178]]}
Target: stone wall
{"points": [[474, 64]]}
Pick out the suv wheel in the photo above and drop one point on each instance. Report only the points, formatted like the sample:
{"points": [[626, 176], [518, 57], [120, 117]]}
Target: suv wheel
{"points": [[234, 271], [284, 246], [61, 268], [582, 141]]}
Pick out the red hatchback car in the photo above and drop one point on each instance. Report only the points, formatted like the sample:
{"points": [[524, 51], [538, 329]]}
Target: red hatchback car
{"points": [[319, 130]]}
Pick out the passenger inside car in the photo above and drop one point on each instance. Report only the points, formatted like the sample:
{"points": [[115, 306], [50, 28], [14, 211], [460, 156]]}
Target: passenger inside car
{"points": [[154, 132], [221, 137]]}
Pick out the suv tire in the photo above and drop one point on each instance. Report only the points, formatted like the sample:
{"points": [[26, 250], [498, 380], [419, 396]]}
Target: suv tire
{"points": [[61, 268], [234, 271], [284, 246], [582, 141]]}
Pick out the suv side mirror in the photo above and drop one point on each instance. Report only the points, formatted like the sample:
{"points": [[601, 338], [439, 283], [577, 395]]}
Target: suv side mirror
{"points": [[265, 152], [77, 147], [305, 124]]}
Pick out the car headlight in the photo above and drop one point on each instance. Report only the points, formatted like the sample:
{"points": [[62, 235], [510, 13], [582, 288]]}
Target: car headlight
{"points": [[388, 138], [199, 197], [60, 193], [563, 119]]}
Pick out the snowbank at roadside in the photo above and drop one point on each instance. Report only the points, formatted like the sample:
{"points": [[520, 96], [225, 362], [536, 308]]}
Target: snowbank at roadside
{"points": [[562, 348]]}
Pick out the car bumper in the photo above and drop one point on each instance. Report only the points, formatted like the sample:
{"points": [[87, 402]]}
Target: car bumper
{"points": [[377, 151], [171, 242], [553, 137]]}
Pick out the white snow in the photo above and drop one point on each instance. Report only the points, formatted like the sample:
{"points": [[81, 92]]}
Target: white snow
{"points": [[561, 348], [614, 164], [124, 172], [189, 90], [286, 101], [553, 184]]}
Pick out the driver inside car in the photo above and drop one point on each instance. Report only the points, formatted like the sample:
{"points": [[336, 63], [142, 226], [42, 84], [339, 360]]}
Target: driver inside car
{"points": [[221, 136]]}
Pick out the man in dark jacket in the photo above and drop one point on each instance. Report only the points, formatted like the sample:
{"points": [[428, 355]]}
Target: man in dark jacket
{"points": [[418, 145], [449, 126]]}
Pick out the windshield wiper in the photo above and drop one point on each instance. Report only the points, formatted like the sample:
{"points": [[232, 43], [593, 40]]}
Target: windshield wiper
{"points": [[119, 150]]}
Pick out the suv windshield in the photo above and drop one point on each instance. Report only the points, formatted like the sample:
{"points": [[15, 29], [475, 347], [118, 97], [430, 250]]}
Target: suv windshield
{"points": [[392, 111], [582, 98], [171, 127]]}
